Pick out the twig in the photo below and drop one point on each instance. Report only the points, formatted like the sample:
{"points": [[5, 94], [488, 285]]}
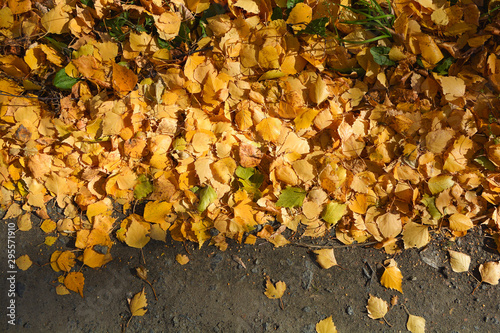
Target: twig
{"points": [[151, 285], [386, 321], [310, 246]]}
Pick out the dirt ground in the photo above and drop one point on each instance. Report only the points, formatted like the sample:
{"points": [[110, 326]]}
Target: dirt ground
{"points": [[215, 293]]}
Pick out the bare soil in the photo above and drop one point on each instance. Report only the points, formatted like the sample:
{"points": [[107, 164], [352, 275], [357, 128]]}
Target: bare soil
{"points": [[215, 293]]}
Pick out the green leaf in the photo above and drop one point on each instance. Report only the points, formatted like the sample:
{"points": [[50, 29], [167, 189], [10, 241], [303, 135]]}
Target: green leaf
{"points": [[381, 55], [277, 14], [179, 144], [207, 196], [244, 173], [333, 212], [213, 10], [443, 66], [316, 27], [143, 187], [292, 3], [59, 46], [89, 3], [440, 183], [485, 163], [291, 197], [430, 203], [251, 188], [63, 80]]}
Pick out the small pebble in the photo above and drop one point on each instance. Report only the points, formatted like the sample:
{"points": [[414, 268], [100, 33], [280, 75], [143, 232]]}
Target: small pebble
{"points": [[349, 310]]}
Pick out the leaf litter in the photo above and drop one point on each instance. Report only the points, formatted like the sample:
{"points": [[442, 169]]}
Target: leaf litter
{"points": [[227, 118]]}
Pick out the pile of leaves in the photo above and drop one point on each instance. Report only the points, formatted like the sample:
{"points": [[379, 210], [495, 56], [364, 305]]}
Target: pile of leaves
{"points": [[367, 121]]}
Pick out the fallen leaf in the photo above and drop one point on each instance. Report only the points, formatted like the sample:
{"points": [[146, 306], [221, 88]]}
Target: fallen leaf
{"points": [[392, 277], [415, 235], [275, 291], [291, 197], [74, 281], [182, 259], [377, 307], [138, 304], [325, 258], [490, 272], [326, 326], [460, 222], [415, 324], [24, 262], [459, 261]]}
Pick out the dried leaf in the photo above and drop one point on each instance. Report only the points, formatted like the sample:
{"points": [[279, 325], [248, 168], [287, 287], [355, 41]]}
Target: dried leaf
{"points": [[138, 304], [326, 326], [74, 281], [24, 262], [392, 277], [377, 307], [415, 324], [490, 272], [275, 291], [325, 258], [459, 261], [182, 259]]}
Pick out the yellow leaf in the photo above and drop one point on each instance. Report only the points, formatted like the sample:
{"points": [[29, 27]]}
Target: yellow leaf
{"points": [[275, 292], [460, 222], [389, 225], [57, 19], [74, 281], [50, 240], [24, 222], [24, 262], [278, 240], [48, 226], [168, 24], [269, 57], [318, 92], [6, 18], [453, 87], [94, 259], [250, 6], [137, 231], [392, 277], [326, 326], [182, 259], [138, 304], [430, 51], [459, 261], [157, 211], [325, 258], [377, 307], [490, 272], [62, 290], [440, 17], [223, 170], [124, 80], [269, 129], [99, 208], [440, 183], [294, 143], [53, 260], [66, 260], [415, 324], [305, 119], [300, 16], [415, 235]]}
